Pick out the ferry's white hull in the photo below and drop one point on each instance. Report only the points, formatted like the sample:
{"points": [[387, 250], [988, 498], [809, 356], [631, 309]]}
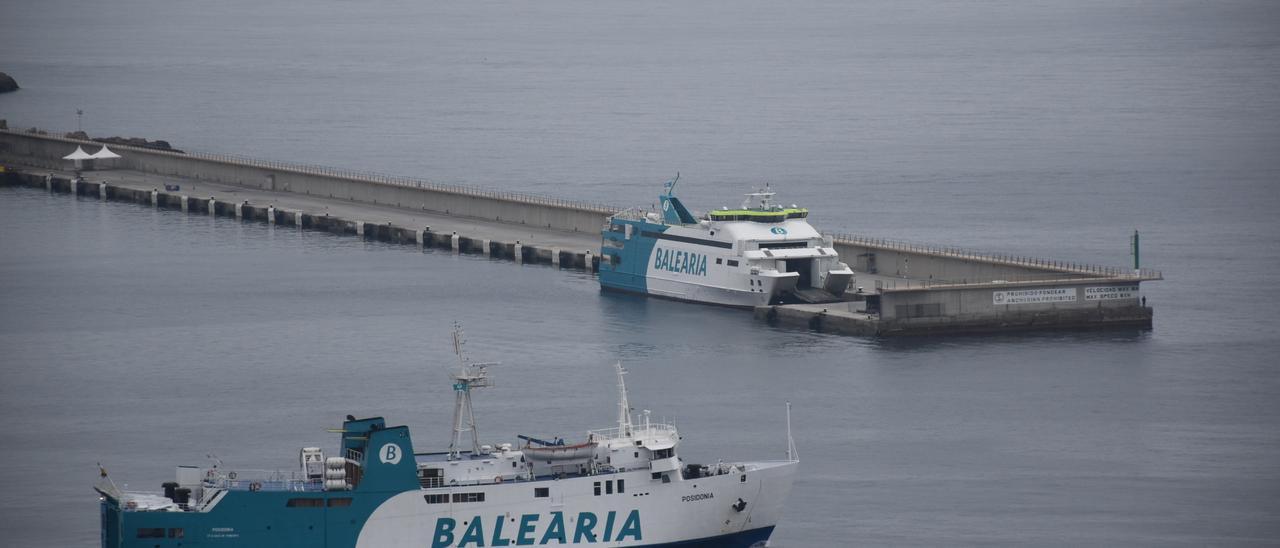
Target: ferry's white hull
{"points": [[737, 297], [649, 512]]}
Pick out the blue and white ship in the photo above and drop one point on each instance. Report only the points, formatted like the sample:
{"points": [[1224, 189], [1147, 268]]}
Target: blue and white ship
{"points": [[620, 486], [753, 256]]}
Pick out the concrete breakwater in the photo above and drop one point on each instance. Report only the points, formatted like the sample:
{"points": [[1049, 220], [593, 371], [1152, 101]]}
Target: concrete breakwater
{"points": [[422, 237], [898, 288], [46, 151]]}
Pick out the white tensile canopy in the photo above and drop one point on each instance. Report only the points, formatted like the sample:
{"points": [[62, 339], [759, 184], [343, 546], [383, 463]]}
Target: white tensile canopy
{"points": [[104, 154], [80, 154]]}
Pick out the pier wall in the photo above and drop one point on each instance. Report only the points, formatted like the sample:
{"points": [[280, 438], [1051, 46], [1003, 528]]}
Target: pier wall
{"points": [[938, 264], [506, 207], [523, 253]]}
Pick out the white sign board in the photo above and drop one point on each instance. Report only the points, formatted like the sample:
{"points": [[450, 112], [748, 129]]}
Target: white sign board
{"points": [[1111, 293], [1034, 296]]}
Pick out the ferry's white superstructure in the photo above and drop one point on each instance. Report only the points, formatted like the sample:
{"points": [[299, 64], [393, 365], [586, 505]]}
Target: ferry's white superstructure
{"points": [[621, 486], [746, 257]]}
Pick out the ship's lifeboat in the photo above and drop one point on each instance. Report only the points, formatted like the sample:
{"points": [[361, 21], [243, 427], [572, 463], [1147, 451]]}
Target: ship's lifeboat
{"points": [[560, 452]]}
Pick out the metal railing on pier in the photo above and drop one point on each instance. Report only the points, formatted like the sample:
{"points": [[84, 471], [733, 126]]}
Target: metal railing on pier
{"points": [[1063, 267]]}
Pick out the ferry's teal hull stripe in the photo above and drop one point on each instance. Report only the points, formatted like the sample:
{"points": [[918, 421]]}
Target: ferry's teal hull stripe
{"points": [[629, 260]]}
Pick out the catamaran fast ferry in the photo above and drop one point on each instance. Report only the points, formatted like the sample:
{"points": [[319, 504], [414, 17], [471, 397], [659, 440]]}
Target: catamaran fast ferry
{"points": [[753, 256], [621, 486]]}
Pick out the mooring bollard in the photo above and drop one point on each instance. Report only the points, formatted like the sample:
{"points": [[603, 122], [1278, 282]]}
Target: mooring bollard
{"points": [[488, 248], [271, 215], [213, 207], [455, 242], [587, 261], [555, 257], [519, 252], [102, 190]]}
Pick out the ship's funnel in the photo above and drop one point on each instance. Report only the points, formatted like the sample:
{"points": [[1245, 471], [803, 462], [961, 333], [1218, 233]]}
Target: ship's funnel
{"points": [[673, 211]]}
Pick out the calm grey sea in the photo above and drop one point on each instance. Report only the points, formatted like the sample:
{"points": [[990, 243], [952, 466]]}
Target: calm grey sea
{"points": [[144, 339]]}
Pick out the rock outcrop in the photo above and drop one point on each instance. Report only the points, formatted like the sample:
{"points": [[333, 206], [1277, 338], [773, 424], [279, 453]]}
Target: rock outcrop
{"points": [[139, 142], [7, 83]]}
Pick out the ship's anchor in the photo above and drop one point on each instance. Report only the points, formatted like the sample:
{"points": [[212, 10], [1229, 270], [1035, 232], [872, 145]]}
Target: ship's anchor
{"points": [[740, 505]]}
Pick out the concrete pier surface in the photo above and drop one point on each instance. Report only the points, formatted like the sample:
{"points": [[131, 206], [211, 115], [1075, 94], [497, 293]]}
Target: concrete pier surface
{"points": [[898, 288], [372, 221]]}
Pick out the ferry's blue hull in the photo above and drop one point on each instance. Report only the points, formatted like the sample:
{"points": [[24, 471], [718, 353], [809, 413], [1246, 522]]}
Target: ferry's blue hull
{"points": [[744, 539], [259, 522]]}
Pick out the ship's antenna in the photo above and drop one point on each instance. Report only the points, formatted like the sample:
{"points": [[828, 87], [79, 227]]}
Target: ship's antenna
{"points": [[469, 375], [792, 454], [624, 407], [670, 187]]}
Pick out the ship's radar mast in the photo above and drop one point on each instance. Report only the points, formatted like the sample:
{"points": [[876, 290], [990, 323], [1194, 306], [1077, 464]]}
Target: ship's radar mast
{"points": [[762, 199], [469, 375], [624, 407]]}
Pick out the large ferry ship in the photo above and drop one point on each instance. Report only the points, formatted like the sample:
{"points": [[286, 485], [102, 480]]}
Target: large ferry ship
{"points": [[755, 255], [620, 486]]}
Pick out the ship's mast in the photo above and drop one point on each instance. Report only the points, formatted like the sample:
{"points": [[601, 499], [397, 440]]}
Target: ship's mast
{"points": [[469, 375], [765, 196], [624, 407]]}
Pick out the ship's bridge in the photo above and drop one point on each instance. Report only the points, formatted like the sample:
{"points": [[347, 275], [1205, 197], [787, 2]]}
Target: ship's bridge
{"points": [[793, 232]]}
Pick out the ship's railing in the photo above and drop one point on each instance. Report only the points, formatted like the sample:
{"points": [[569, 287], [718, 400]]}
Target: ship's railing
{"points": [[263, 480], [1068, 267], [887, 283], [635, 214], [653, 430]]}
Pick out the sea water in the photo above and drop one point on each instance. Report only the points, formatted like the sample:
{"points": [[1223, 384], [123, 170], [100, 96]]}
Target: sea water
{"points": [[144, 339]]}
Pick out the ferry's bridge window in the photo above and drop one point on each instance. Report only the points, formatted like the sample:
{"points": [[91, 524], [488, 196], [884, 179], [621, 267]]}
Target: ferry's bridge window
{"points": [[468, 497], [437, 499], [431, 477]]}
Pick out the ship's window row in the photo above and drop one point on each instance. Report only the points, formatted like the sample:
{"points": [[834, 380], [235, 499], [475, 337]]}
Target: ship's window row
{"points": [[609, 485], [784, 245], [305, 503], [437, 499], [339, 502], [663, 453], [468, 497], [159, 532]]}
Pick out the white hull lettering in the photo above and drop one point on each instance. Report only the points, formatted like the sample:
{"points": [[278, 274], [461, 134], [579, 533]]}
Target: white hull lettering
{"points": [[528, 532]]}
